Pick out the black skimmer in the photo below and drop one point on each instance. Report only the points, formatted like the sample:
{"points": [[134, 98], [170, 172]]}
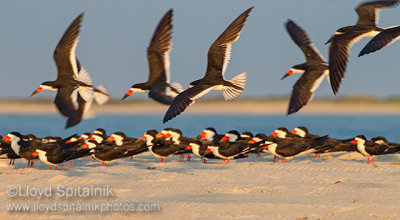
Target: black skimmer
{"points": [[384, 141], [290, 148], [120, 138], [199, 149], [210, 134], [314, 69], [106, 152], [158, 85], [22, 146], [302, 131], [383, 39], [282, 132], [371, 149], [54, 155], [5, 149], [231, 136], [75, 91], [218, 58], [228, 151], [247, 135], [345, 37]]}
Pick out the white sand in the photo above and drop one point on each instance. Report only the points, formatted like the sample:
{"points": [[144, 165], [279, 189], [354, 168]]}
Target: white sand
{"points": [[336, 187]]}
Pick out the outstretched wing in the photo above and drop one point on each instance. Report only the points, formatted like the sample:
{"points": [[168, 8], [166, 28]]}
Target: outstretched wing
{"points": [[185, 99], [368, 13], [64, 54], [158, 51], [383, 39], [220, 51], [303, 41]]}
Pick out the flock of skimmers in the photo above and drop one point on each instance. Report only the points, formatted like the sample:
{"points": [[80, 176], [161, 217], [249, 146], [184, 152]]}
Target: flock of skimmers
{"points": [[207, 145], [75, 90]]}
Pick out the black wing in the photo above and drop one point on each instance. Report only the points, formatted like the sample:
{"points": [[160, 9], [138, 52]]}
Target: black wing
{"points": [[220, 51], [64, 54], [303, 90], [185, 99], [338, 57], [161, 96], [381, 40], [303, 41], [368, 12], [158, 51]]}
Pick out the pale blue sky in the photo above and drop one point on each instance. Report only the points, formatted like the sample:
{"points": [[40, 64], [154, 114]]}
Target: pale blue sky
{"points": [[116, 33]]}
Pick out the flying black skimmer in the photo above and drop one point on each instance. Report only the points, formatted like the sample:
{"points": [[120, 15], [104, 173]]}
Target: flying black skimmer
{"points": [[371, 149], [314, 69], [158, 85], [75, 91], [218, 58], [383, 39], [345, 37]]}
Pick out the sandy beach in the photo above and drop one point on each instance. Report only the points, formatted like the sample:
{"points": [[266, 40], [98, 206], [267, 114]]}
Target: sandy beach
{"points": [[340, 186]]}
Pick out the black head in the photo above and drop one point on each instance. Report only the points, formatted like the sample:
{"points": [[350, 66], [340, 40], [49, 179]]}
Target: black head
{"points": [[247, 134], [152, 133], [261, 136]]}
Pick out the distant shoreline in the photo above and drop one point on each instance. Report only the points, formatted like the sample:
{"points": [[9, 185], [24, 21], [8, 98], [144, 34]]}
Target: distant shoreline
{"points": [[256, 107]]}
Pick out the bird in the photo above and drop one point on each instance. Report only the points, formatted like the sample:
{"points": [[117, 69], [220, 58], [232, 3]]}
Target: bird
{"points": [[371, 149], [345, 37], [158, 85], [210, 134], [313, 70], [218, 58], [282, 132], [22, 146], [302, 131], [75, 90], [383, 39]]}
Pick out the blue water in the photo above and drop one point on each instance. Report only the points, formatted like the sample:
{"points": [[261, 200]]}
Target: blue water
{"points": [[337, 126]]}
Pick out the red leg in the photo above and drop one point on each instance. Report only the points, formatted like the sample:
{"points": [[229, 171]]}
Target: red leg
{"points": [[189, 157], [70, 163], [55, 168], [285, 160], [50, 167], [13, 162], [102, 164], [224, 160], [274, 159], [228, 161], [162, 160], [368, 161], [105, 164], [205, 161], [131, 157], [315, 156], [246, 159], [319, 156], [32, 163], [29, 163], [242, 159], [372, 161]]}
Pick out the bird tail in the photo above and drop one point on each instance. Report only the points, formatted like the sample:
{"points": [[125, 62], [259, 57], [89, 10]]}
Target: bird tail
{"points": [[101, 94], [239, 82]]}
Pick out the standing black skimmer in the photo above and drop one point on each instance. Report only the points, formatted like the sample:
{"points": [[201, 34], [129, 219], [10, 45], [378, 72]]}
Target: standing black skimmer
{"points": [[120, 138], [210, 134], [371, 149], [75, 91], [289, 148], [54, 155], [218, 58], [5, 148], [228, 151], [22, 146], [314, 69], [383, 39], [345, 37], [106, 152], [231, 136], [158, 85], [282, 132], [302, 131], [246, 135]]}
